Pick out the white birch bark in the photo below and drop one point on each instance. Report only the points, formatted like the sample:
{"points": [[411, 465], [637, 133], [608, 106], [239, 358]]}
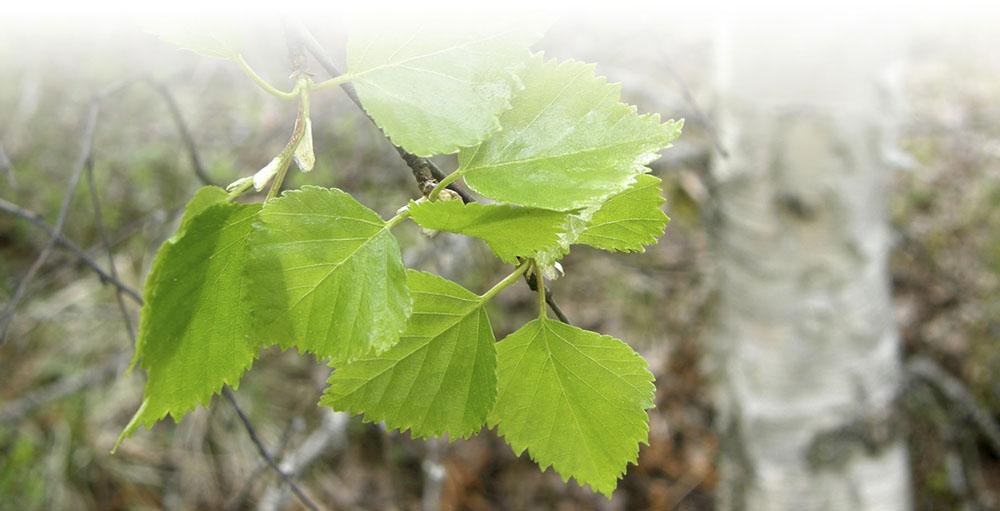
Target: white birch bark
{"points": [[803, 340]]}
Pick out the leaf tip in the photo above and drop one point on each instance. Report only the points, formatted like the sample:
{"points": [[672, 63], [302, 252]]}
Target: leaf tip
{"points": [[132, 425]]}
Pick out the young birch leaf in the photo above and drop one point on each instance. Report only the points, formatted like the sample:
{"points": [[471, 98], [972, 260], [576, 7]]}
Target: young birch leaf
{"points": [[624, 223], [194, 331], [327, 276], [436, 85], [204, 198], [209, 38], [304, 156], [510, 231], [440, 378], [576, 400], [629, 220], [566, 143]]}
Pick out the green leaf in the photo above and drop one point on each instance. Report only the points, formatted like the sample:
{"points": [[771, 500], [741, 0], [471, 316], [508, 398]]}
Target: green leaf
{"points": [[629, 220], [434, 85], [625, 223], [509, 230], [327, 276], [208, 38], [566, 143], [205, 197], [440, 378], [576, 400], [194, 331]]}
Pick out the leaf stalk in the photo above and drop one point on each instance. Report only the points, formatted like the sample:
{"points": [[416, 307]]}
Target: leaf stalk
{"points": [[508, 280], [333, 82], [540, 284], [262, 83], [285, 157], [449, 179]]}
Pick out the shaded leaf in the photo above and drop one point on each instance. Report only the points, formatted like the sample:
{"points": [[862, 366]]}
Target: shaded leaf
{"points": [[194, 332], [204, 198], [510, 231]]}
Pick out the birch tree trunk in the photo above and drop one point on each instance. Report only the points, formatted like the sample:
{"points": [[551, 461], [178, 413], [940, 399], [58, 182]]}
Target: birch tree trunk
{"points": [[803, 349]]}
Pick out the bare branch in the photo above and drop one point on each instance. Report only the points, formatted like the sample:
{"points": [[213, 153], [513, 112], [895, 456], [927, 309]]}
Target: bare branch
{"points": [[239, 501], [331, 433], [182, 128], [954, 390], [37, 220], [252, 432], [86, 146], [106, 241]]}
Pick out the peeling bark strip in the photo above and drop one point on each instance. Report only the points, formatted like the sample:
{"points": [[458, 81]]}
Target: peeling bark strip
{"points": [[804, 348]]}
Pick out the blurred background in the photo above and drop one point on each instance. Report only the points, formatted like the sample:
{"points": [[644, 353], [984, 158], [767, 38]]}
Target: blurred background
{"points": [[822, 315]]}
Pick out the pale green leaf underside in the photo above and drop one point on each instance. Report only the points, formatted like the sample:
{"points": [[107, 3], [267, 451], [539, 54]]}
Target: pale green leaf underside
{"points": [[566, 143], [439, 379], [436, 85], [510, 231], [327, 276], [576, 400], [207, 37], [194, 333], [629, 220]]}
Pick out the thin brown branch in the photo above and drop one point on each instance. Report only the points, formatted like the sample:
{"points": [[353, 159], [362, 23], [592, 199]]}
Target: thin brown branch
{"points": [[239, 501], [37, 220], [955, 392], [108, 247], [87, 145], [329, 435], [255, 438], [183, 130], [710, 127]]}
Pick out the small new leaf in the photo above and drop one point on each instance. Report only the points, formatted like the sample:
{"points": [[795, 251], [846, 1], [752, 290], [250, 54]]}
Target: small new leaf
{"points": [[440, 378], [629, 220], [327, 276], [510, 231], [436, 85], [566, 143], [576, 400], [194, 332], [305, 158]]}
